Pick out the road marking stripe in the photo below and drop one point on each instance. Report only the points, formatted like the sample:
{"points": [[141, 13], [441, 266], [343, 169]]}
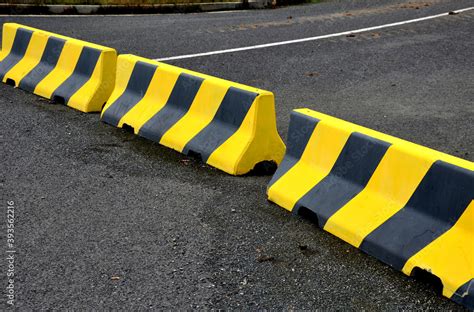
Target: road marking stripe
{"points": [[274, 44]]}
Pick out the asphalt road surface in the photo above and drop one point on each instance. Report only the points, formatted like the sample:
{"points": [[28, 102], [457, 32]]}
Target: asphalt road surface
{"points": [[105, 219]]}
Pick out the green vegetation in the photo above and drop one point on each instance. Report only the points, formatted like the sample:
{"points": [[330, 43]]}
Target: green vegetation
{"points": [[112, 2]]}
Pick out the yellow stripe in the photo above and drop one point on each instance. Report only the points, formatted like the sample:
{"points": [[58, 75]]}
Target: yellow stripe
{"points": [[320, 155], [415, 148], [8, 36], [200, 114], [79, 42], [388, 190], [64, 68], [450, 256], [81, 100], [226, 157], [255, 141], [95, 92], [155, 99], [196, 74], [125, 66], [31, 58]]}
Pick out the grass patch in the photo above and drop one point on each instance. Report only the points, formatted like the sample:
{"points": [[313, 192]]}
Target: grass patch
{"points": [[110, 2]]}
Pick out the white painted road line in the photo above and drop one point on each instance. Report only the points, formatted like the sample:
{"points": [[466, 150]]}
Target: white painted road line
{"points": [[274, 44]]}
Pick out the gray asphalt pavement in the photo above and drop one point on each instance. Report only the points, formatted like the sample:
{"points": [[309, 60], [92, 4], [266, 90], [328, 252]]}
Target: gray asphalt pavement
{"points": [[105, 219]]}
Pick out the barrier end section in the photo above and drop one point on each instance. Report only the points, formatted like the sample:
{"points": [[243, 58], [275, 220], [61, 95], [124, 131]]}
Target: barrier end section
{"points": [[407, 205], [65, 70], [228, 125]]}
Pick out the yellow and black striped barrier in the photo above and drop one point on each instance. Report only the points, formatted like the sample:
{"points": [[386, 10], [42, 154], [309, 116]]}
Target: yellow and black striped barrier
{"points": [[65, 70], [407, 205], [230, 126]]}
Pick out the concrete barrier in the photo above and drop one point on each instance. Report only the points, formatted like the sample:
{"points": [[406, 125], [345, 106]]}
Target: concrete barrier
{"points": [[69, 71], [407, 205], [228, 125]]}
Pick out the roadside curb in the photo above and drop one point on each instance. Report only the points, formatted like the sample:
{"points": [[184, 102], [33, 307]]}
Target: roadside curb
{"points": [[56, 9]]}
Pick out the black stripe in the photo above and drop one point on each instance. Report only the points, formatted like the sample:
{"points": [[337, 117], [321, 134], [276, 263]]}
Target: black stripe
{"points": [[48, 62], [465, 295], [437, 203], [301, 128], [176, 107], [20, 44], [81, 74], [350, 174], [136, 88], [226, 122]]}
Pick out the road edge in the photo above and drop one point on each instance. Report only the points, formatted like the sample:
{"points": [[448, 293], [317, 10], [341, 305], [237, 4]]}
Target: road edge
{"points": [[56, 9]]}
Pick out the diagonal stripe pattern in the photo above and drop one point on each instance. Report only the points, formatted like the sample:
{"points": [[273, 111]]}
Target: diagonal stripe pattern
{"points": [[228, 125], [69, 71], [407, 205]]}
